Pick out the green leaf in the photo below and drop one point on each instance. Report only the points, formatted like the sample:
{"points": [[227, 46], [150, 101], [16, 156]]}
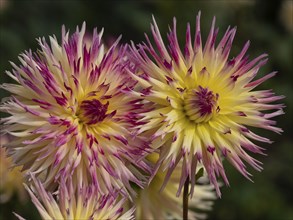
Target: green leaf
{"points": [[199, 173]]}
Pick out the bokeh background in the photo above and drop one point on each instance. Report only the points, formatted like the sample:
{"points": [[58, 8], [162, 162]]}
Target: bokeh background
{"points": [[269, 26]]}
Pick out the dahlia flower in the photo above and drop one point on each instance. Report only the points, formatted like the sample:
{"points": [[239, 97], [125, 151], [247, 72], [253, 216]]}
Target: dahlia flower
{"points": [[70, 116], [152, 204], [11, 178], [81, 204], [202, 105]]}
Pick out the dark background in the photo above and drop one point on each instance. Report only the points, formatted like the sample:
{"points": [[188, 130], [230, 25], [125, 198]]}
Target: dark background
{"points": [[268, 24]]}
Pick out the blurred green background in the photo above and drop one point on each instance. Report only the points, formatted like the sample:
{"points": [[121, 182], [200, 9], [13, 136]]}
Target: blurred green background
{"points": [[268, 24]]}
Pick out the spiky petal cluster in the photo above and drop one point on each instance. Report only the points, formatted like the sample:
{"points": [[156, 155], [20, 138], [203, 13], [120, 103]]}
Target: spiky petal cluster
{"points": [[11, 178], [70, 116], [152, 204], [201, 104], [81, 204]]}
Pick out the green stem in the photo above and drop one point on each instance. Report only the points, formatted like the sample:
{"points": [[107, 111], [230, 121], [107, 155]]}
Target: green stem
{"points": [[185, 199]]}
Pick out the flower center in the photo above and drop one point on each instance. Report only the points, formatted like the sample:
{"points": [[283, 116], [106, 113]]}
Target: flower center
{"points": [[92, 111], [201, 104]]}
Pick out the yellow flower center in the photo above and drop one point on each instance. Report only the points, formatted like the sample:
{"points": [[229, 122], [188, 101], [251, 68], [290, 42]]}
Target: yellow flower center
{"points": [[201, 104]]}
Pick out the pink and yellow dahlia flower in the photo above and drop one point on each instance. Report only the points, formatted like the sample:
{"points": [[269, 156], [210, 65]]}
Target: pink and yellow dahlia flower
{"points": [[201, 104], [70, 116], [83, 203], [151, 203]]}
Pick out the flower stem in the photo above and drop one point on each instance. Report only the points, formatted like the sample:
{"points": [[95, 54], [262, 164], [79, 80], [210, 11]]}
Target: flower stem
{"points": [[185, 199]]}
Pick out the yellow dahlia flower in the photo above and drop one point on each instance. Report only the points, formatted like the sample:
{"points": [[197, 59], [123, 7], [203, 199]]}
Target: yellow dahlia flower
{"points": [[81, 204], [70, 116], [152, 204], [202, 104], [11, 178]]}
